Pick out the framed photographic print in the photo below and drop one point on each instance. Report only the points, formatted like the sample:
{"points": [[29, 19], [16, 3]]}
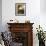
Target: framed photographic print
{"points": [[20, 9]]}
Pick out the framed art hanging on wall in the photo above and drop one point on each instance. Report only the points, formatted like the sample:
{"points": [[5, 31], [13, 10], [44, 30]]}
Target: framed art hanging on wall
{"points": [[20, 9]]}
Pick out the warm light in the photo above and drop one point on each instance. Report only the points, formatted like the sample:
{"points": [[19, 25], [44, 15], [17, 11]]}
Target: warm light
{"points": [[20, 8]]}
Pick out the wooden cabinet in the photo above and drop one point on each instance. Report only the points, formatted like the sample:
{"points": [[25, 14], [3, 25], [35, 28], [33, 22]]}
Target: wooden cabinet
{"points": [[22, 33]]}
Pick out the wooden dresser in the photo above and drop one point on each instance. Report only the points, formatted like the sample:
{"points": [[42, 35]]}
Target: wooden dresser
{"points": [[22, 33]]}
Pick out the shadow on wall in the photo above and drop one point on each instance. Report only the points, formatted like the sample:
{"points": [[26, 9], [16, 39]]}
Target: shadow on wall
{"points": [[43, 6], [0, 15]]}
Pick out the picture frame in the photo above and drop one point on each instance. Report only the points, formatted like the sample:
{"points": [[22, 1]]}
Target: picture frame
{"points": [[20, 9]]}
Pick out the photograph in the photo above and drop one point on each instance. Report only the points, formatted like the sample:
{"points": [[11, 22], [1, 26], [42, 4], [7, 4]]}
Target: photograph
{"points": [[22, 22], [20, 9]]}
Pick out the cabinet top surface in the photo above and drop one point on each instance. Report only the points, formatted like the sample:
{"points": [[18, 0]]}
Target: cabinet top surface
{"points": [[19, 23]]}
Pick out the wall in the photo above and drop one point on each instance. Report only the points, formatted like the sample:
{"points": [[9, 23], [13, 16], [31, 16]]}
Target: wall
{"points": [[0, 15], [43, 14], [43, 6], [33, 13]]}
